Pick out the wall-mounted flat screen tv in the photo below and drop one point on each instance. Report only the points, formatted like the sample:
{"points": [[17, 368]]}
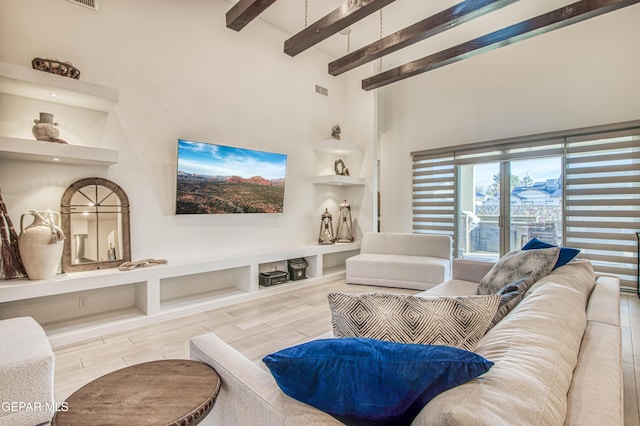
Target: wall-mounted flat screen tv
{"points": [[217, 179]]}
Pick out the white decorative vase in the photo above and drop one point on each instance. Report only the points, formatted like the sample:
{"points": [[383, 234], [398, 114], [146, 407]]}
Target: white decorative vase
{"points": [[40, 244]]}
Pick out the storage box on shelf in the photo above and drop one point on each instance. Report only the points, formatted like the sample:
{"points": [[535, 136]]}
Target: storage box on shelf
{"points": [[81, 305]]}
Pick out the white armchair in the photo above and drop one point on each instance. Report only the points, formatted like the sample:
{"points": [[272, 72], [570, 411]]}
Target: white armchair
{"points": [[26, 373], [416, 261]]}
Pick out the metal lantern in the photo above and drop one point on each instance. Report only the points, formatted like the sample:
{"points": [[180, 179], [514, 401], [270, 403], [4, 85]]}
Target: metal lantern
{"points": [[345, 224], [326, 229]]}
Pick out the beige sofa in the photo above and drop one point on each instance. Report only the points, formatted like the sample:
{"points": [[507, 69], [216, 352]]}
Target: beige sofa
{"points": [[415, 261], [557, 361]]}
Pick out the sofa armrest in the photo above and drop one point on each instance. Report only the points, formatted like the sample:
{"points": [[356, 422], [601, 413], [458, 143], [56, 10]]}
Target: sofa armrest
{"points": [[470, 270], [596, 396], [248, 394], [604, 302]]}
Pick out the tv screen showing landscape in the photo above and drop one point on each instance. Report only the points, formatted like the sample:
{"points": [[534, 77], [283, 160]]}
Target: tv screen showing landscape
{"points": [[218, 179]]}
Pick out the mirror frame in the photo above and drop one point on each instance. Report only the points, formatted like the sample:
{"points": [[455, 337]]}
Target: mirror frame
{"points": [[65, 213]]}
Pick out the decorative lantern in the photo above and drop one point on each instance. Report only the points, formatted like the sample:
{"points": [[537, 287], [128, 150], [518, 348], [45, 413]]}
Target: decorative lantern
{"points": [[326, 229], [345, 224]]}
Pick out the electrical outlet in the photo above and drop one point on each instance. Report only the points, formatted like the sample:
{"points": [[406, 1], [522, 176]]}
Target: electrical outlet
{"points": [[83, 302]]}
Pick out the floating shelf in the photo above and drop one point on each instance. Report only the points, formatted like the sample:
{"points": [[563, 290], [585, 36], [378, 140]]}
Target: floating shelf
{"points": [[51, 152], [30, 83], [339, 180], [332, 146]]}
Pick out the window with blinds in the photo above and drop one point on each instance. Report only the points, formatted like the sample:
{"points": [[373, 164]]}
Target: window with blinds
{"points": [[434, 201], [601, 182], [602, 201]]}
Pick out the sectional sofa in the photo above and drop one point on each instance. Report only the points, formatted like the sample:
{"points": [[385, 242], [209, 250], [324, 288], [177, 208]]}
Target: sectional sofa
{"points": [[557, 358]]}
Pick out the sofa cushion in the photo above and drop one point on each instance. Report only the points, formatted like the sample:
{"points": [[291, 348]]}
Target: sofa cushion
{"points": [[368, 381], [450, 321], [535, 350], [451, 288], [516, 264], [566, 253]]}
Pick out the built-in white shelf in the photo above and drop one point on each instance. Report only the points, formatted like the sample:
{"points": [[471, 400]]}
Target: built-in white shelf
{"points": [[51, 152], [338, 180], [333, 146], [145, 295], [336, 148], [30, 83]]}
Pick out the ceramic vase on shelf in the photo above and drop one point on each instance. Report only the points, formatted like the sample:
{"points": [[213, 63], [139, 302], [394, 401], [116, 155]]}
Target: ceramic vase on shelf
{"points": [[45, 129], [40, 244]]}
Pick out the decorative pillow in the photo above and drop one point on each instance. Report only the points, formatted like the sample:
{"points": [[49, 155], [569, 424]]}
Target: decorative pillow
{"points": [[511, 294], [450, 321], [516, 264], [566, 253], [368, 381]]}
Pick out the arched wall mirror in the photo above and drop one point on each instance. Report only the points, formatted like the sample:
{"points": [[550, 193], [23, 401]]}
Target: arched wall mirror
{"points": [[95, 219]]}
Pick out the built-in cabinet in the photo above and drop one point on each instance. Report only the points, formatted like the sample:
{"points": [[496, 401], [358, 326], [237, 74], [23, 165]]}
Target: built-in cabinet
{"points": [[80, 305]]}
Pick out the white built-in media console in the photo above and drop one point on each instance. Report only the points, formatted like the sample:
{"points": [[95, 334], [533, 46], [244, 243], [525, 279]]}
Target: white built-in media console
{"points": [[80, 305]]}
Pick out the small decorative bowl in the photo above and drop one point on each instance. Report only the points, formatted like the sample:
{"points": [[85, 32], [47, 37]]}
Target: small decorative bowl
{"points": [[56, 67]]}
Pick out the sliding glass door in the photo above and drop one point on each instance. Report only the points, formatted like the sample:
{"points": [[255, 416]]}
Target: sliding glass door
{"points": [[535, 208], [501, 205], [478, 235]]}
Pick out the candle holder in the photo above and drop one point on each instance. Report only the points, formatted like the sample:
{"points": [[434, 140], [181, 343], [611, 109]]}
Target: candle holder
{"points": [[345, 224], [326, 229]]}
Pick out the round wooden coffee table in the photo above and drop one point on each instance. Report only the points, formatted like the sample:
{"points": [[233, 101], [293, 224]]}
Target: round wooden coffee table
{"points": [[167, 392]]}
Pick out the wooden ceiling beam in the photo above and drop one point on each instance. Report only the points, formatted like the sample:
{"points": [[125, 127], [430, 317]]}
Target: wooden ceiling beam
{"points": [[246, 11], [336, 21], [559, 18], [435, 24]]}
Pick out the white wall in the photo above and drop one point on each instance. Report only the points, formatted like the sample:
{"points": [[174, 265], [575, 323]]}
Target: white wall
{"points": [[181, 74], [579, 76]]}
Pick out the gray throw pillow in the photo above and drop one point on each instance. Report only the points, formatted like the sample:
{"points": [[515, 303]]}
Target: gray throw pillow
{"points": [[448, 321], [510, 295], [516, 264]]}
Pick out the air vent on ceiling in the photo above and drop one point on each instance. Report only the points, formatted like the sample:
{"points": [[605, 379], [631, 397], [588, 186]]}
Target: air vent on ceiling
{"points": [[322, 90], [91, 4]]}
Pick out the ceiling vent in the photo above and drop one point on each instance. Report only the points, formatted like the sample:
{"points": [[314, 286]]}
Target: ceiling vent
{"points": [[91, 4]]}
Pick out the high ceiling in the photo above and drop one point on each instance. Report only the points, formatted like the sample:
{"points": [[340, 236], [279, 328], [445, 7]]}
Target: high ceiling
{"points": [[289, 16]]}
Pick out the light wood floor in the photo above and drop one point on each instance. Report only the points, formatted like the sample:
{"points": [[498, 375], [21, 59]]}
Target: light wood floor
{"points": [[266, 325]]}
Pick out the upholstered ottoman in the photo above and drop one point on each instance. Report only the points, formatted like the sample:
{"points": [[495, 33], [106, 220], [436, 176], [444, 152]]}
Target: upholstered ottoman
{"points": [[26, 373]]}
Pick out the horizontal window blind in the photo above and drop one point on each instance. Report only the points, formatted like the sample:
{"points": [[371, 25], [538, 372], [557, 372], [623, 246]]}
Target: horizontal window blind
{"points": [[601, 203], [434, 181]]}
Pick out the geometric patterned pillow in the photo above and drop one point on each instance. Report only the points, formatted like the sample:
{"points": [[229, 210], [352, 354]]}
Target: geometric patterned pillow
{"points": [[516, 264], [458, 322]]}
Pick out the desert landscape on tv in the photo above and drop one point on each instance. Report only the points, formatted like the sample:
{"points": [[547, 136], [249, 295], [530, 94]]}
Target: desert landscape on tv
{"points": [[217, 179]]}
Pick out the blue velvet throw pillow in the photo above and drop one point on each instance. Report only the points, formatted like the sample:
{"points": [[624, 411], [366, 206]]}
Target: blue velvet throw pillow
{"points": [[364, 381], [566, 253]]}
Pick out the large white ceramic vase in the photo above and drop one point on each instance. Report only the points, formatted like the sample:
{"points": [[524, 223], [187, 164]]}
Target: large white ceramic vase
{"points": [[41, 244]]}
